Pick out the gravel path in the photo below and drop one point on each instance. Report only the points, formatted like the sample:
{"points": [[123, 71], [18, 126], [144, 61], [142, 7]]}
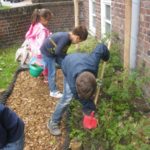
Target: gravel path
{"points": [[31, 101]]}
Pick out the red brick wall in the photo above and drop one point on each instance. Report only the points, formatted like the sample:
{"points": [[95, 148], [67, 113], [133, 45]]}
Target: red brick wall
{"points": [[63, 18], [15, 22], [98, 19], [13, 25], [86, 12], [143, 48], [118, 17], [143, 57]]}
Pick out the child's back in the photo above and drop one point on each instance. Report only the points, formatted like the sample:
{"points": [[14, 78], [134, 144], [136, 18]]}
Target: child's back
{"points": [[11, 129]]}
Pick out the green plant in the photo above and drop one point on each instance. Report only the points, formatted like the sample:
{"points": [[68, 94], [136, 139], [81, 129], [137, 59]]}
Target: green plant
{"points": [[120, 126], [85, 46], [7, 65]]}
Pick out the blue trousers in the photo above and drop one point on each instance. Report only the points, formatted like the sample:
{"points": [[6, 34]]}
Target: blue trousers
{"points": [[62, 103], [50, 65], [18, 145]]}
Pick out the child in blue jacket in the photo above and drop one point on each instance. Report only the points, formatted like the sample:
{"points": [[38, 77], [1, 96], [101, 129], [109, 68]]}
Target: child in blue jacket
{"points": [[11, 130], [80, 72], [54, 49]]}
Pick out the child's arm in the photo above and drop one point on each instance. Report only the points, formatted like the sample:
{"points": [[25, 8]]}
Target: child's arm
{"points": [[88, 106], [101, 51]]}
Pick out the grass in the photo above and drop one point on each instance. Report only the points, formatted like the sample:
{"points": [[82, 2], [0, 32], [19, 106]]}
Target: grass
{"points": [[7, 66], [4, 7]]}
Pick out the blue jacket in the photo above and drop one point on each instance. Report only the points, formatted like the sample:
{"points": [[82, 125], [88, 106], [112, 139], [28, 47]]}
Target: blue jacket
{"points": [[74, 64], [11, 126], [61, 39]]}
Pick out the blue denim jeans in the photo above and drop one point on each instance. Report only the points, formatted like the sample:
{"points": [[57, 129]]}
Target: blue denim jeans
{"points": [[18, 145], [50, 65], [62, 103]]}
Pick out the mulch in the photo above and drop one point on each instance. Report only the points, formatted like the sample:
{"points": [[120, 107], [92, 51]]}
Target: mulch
{"points": [[31, 101]]}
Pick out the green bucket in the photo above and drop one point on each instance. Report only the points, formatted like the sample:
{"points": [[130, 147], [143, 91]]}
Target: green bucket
{"points": [[35, 70]]}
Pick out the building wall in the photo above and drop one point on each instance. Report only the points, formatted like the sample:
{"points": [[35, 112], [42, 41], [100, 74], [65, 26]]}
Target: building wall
{"points": [[98, 19], [118, 26], [118, 18], [143, 47], [143, 56], [86, 12], [15, 22], [98, 16]]}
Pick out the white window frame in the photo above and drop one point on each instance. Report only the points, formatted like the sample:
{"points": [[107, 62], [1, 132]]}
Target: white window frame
{"points": [[91, 15], [103, 15]]}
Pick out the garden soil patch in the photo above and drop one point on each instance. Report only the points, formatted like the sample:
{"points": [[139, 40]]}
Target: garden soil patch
{"points": [[31, 101]]}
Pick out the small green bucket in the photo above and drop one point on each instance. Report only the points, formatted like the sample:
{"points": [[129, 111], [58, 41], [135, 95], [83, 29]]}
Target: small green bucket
{"points": [[35, 70]]}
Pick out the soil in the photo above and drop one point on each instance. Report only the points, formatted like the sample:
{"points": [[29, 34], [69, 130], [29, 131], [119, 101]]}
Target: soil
{"points": [[31, 101]]}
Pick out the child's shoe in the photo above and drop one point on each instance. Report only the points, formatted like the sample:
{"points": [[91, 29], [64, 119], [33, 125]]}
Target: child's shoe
{"points": [[56, 94], [53, 128]]}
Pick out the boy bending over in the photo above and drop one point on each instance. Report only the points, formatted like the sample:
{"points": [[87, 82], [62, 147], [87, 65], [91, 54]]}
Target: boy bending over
{"points": [[80, 72]]}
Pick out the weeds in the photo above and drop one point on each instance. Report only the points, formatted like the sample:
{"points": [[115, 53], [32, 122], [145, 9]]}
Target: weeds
{"points": [[120, 127]]}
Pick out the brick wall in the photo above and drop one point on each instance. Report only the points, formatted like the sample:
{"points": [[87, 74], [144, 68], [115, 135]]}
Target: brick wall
{"points": [[63, 18], [15, 22], [86, 12], [98, 19], [143, 48], [144, 35], [118, 18]]}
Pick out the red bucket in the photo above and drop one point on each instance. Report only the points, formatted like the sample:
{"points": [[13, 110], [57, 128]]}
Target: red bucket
{"points": [[90, 122]]}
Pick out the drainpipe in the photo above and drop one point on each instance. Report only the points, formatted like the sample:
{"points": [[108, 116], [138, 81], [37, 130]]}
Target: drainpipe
{"points": [[134, 32]]}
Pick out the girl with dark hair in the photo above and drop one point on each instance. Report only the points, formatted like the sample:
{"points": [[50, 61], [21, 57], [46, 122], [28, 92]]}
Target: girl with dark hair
{"points": [[38, 30], [34, 38]]}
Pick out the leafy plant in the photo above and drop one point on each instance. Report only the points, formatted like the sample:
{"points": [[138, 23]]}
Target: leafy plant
{"points": [[85, 46], [120, 126]]}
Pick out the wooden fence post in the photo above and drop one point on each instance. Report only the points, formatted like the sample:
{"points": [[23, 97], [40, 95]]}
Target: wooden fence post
{"points": [[127, 33], [76, 14]]}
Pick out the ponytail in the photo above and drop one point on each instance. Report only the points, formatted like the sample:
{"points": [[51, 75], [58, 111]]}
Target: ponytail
{"points": [[35, 16], [37, 13]]}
